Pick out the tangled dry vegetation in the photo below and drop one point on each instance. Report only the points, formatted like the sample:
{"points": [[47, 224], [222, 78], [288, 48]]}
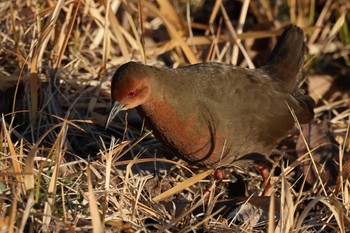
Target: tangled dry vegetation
{"points": [[61, 171]]}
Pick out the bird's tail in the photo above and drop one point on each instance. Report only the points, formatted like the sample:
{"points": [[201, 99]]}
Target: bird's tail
{"points": [[285, 64], [287, 57]]}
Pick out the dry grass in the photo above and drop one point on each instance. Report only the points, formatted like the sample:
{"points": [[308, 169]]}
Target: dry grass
{"points": [[61, 171]]}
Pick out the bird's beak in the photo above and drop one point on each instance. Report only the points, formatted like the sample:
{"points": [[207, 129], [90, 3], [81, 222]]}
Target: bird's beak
{"points": [[116, 108]]}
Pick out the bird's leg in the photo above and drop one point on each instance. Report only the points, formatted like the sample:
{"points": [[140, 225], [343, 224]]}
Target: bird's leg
{"points": [[218, 177], [264, 171]]}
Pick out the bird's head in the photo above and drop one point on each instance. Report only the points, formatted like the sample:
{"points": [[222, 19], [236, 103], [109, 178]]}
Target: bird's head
{"points": [[131, 87]]}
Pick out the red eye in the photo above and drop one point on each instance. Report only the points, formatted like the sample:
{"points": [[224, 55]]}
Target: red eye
{"points": [[131, 94]]}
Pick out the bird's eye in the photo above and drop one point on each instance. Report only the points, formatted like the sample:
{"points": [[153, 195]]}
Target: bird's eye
{"points": [[131, 94]]}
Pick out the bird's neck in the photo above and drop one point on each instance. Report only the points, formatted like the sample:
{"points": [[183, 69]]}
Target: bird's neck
{"points": [[161, 116]]}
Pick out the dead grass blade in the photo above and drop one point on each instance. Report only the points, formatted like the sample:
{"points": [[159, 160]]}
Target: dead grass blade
{"points": [[117, 30], [166, 8], [332, 205], [37, 55], [320, 21], [137, 39], [203, 221], [309, 151], [27, 211], [337, 26], [16, 165], [268, 10], [147, 160], [272, 208], [287, 206], [214, 13], [29, 179], [58, 149], [142, 30], [174, 33], [183, 185], [142, 206], [66, 35], [234, 37], [95, 214], [109, 159], [11, 225], [164, 47], [106, 40], [239, 30]]}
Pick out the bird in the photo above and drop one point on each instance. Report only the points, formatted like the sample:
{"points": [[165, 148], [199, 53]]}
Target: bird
{"points": [[213, 113]]}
